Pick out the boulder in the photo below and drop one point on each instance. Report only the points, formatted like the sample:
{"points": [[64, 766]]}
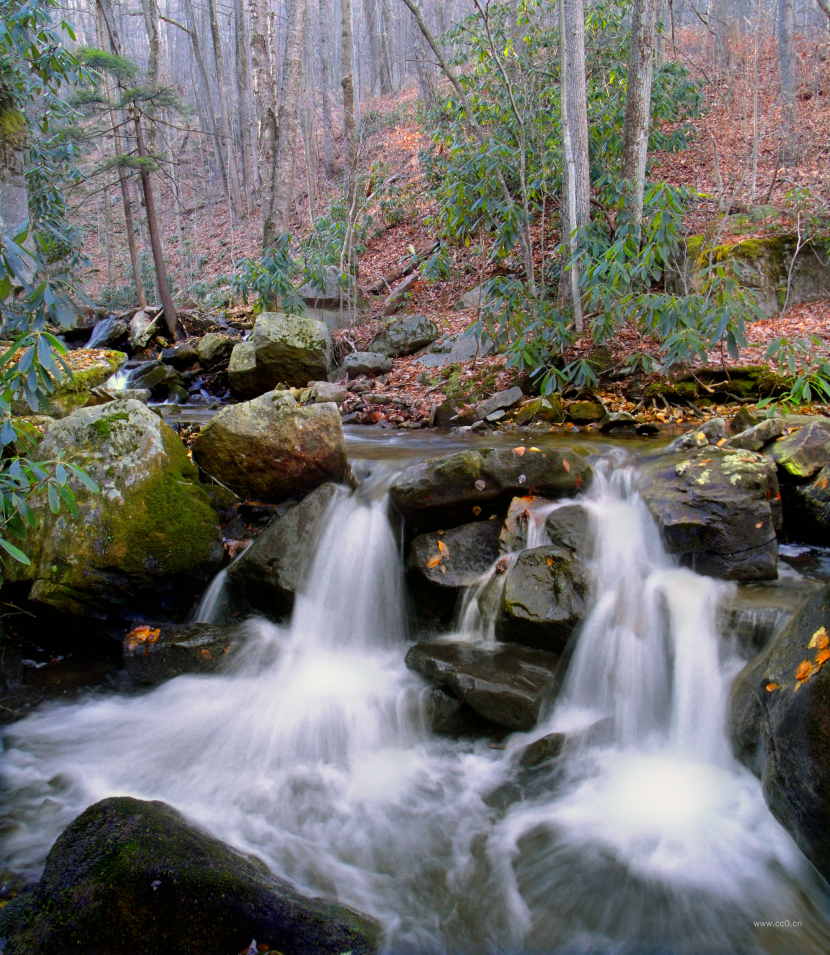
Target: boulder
{"points": [[129, 875], [181, 356], [718, 509], [513, 535], [152, 376], [141, 330], [283, 350], [149, 537], [464, 554], [268, 574], [321, 392], [405, 335], [271, 449], [107, 333], [712, 431], [756, 436], [544, 599], [570, 526], [450, 716], [214, 351], [455, 349], [585, 412], [445, 491], [498, 402], [545, 410], [366, 363], [807, 509], [324, 292], [508, 686], [618, 422], [155, 653], [804, 452], [780, 727]]}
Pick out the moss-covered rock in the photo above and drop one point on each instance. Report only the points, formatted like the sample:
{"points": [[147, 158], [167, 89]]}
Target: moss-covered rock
{"points": [[780, 728], [134, 876], [721, 384], [93, 368], [805, 451], [271, 449], [405, 335], [149, 535]]}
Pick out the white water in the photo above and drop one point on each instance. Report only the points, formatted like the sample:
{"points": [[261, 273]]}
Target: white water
{"points": [[313, 754]]}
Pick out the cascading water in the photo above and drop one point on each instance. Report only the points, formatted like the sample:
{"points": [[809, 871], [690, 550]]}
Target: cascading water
{"points": [[313, 753]]}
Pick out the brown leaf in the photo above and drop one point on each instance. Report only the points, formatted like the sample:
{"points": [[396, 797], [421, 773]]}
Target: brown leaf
{"points": [[823, 656], [476, 510], [206, 654], [566, 465], [519, 451], [442, 548], [819, 639], [771, 686], [433, 561]]}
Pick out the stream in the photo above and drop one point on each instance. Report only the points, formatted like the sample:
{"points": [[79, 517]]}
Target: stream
{"points": [[313, 751]]}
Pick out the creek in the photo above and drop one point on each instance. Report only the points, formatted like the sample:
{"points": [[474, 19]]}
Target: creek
{"points": [[313, 752]]}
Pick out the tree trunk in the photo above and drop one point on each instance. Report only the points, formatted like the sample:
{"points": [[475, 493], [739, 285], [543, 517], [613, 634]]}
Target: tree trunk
{"points": [[262, 62], [638, 102], [387, 84], [278, 216], [243, 89], [789, 79], [224, 119], [426, 83], [325, 85], [347, 82], [577, 206]]}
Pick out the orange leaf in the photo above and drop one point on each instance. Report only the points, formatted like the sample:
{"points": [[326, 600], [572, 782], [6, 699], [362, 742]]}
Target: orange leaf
{"points": [[819, 639], [823, 656], [771, 686], [206, 654], [566, 465], [804, 671], [519, 451], [824, 484], [579, 480], [433, 561], [442, 548], [536, 449], [722, 442], [476, 510], [759, 524], [549, 562]]}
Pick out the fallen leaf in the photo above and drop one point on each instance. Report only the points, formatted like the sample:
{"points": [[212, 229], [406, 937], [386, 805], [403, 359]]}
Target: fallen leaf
{"points": [[819, 639], [824, 484], [771, 686], [442, 548], [549, 562], [206, 654], [566, 465], [476, 510], [823, 656], [443, 569], [433, 561], [579, 480], [519, 451], [722, 442], [522, 479], [480, 485], [759, 524], [539, 450]]}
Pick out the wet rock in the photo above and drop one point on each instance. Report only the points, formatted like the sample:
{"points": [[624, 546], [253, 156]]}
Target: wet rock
{"points": [[450, 716], [150, 537], [513, 535], [446, 413], [755, 437], [107, 333], [541, 750], [465, 553], [160, 652], [718, 510], [585, 412], [323, 391], [141, 330], [271, 449], [548, 410], [498, 402], [807, 509], [214, 350], [508, 686], [454, 349], [444, 492], [570, 526], [404, 336], [618, 421], [366, 363], [545, 595], [742, 421], [268, 574], [181, 356], [710, 432], [804, 452], [153, 376], [134, 875], [783, 734], [283, 350]]}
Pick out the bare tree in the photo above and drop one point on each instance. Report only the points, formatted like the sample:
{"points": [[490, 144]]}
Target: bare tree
{"points": [[789, 79], [262, 63], [224, 118]]}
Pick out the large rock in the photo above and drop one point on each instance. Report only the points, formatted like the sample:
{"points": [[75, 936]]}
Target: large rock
{"points": [[268, 574], [149, 536], [780, 727], [454, 349], [129, 875], [271, 449], [326, 292], [404, 336], [509, 686], [155, 653], [463, 555], [498, 402], [807, 509], [444, 492], [366, 363], [804, 452], [718, 510], [91, 368], [142, 329], [214, 351], [570, 526], [544, 599], [282, 350], [756, 436], [107, 333]]}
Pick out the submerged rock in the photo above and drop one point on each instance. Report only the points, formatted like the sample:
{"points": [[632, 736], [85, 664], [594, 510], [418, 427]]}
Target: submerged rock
{"points": [[150, 535], [508, 686], [780, 727], [153, 654], [269, 572], [129, 875], [445, 491], [450, 716], [718, 510], [441, 564], [271, 449], [283, 350], [405, 335], [545, 595]]}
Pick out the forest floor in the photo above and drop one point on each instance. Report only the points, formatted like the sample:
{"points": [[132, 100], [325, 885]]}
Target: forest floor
{"points": [[721, 163]]}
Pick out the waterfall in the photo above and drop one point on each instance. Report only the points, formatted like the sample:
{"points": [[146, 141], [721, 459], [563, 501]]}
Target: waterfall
{"points": [[312, 752]]}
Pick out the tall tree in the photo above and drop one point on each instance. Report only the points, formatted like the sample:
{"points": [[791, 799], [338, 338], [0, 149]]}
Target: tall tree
{"points": [[278, 213], [577, 188], [224, 117], [789, 78], [638, 101], [381, 67], [262, 64]]}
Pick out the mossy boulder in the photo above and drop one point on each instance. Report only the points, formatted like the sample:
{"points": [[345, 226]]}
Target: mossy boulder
{"points": [[718, 510], [214, 351], [466, 485], [721, 384], [585, 412], [135, 876], [405, 335], [780, 728], [92, 368], [541, 410], [149, 536], [272, 449], [805, 451], [283, 349]]}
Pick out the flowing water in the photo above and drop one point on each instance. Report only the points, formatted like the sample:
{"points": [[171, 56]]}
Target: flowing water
{"points": [[314, 753]]}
